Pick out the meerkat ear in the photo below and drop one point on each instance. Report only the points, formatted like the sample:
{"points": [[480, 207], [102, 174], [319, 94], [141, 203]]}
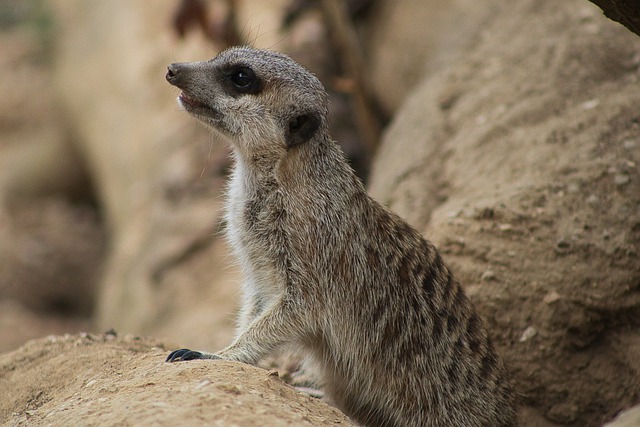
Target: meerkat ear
{"points": [[301, 129]]}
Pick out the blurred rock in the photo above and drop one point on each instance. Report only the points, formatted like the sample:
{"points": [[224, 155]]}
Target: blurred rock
{"points": [[408, 39], [156, 173], [51, 237]]}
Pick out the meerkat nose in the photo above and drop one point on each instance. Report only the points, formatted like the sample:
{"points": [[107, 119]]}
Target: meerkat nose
{"points": [[175, 73], [172, 71]]}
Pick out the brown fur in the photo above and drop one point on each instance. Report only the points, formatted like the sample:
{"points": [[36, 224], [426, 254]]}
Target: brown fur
{"points": [[329, 269]]}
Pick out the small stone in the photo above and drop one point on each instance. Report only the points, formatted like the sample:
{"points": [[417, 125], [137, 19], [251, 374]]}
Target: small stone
{"points": [[629, 144], [528, 333], [505, 227], [588, 105], [203, 383], [573, 188], [488, 276], [592, 199], [551, 297], [621, 179]]}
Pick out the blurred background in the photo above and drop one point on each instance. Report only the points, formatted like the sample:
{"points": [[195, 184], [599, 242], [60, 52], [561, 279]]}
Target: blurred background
{"points": [[507, 134]]}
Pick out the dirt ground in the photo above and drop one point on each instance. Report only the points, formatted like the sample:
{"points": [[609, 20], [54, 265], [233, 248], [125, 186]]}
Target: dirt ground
{"points": [[515, 148]]}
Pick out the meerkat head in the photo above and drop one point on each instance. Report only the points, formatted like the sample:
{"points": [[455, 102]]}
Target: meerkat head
{"points": [[263, 101]]}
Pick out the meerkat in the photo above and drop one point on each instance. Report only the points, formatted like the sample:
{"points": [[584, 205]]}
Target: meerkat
{"points": [[329, 270]]}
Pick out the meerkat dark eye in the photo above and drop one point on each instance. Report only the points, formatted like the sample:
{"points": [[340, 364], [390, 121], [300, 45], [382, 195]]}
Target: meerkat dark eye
{"points": [[244, 80], [296, 123]]}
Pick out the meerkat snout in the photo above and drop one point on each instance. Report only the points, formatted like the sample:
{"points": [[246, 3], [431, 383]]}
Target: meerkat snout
{"points": [[173, 72], [330, 271]]}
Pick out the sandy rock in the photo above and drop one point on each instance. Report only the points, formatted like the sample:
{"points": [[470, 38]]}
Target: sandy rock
{"points": [[90, 379], [51, 240], [408, 39], [50, 251]]}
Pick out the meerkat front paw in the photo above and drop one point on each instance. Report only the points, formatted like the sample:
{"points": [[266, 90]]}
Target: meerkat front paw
{"points": [[186, 354]]}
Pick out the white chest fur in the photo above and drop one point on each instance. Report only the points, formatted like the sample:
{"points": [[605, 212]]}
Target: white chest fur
{"points": [[262, 286]]}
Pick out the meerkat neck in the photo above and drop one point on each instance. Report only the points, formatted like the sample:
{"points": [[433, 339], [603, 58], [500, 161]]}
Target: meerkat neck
{"points": [[329, 166], [290, 166], [254, 168]]}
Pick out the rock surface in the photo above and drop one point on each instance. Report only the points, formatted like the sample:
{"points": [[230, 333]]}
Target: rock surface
{"points": [[103, 380], [157, 174]]}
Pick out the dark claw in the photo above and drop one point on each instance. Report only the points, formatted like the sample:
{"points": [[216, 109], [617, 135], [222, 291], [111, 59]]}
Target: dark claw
{"points": [[183, 354]]}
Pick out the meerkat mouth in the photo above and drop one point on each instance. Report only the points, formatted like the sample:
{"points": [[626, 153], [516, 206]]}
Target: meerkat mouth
{"points": [[188, 101], [196, 107]]}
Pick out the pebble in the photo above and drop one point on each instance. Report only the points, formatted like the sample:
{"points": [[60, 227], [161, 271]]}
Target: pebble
{"points": [[505, 227], [551, 297], [488, 276], [588, 105], [621, 179], [528, 333], [203, 383], [573, 188], [592, 199]]}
